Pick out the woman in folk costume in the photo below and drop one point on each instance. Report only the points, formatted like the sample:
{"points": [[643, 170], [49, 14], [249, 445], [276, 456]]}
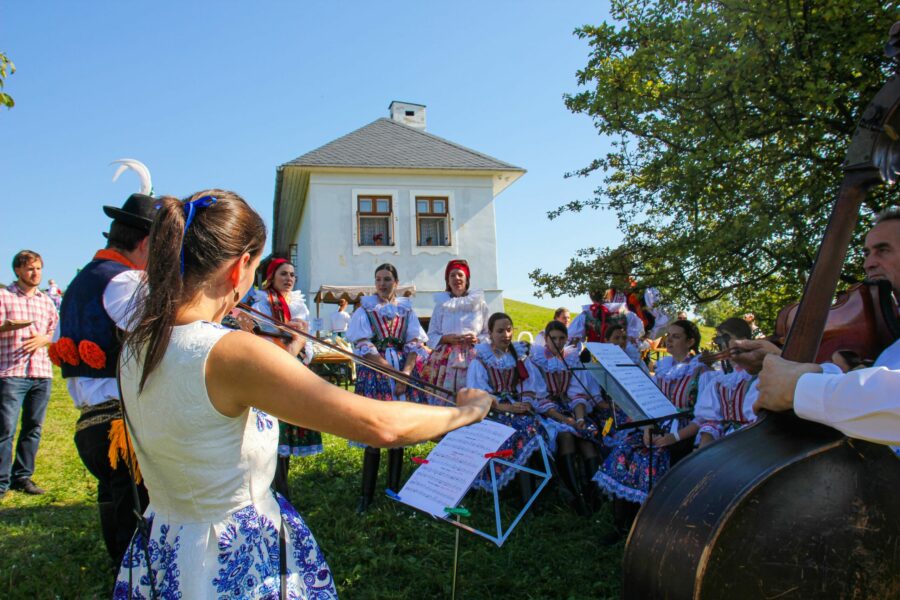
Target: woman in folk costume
{"points": [[500, 368], [566, 409], [459, 321], [725, 403], [385, 329], [282, 302], [628, 470], [198, 399]]}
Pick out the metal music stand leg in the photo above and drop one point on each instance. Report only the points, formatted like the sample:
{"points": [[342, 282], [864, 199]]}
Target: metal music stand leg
{"points": [[455, 562]]}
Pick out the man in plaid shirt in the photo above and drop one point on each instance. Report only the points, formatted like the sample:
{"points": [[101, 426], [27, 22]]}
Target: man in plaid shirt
{"points": [[27, 320]]}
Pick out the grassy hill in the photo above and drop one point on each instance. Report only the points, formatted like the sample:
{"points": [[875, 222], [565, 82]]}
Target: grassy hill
{"points": [[527, 317]]}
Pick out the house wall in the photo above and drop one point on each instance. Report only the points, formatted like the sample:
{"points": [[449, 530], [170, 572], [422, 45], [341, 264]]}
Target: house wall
{"points": [[326, 253]]}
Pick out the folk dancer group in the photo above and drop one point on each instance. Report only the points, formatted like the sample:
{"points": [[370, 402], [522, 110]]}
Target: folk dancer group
{"points": [[201, 402]]}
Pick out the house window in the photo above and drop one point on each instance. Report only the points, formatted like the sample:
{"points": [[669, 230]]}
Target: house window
{"points": [[375, 218], [432, 224]]}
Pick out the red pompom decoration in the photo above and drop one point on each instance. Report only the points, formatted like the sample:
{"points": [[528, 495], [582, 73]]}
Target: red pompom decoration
{"points": [[54, 355], [91, 354], [67, 351]]}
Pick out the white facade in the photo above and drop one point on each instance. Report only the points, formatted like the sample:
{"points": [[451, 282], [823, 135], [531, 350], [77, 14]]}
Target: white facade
{"points": [[328, 251]]}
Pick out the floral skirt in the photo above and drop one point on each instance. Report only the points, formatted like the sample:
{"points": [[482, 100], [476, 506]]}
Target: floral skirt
{"points": [[298, 441], [523, 443], [447, 367], [235, 558], [601, 415], [626, 471], [372, 384]]}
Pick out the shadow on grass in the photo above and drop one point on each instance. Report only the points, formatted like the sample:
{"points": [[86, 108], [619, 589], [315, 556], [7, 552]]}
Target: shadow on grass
{"points": [[52, 551]]}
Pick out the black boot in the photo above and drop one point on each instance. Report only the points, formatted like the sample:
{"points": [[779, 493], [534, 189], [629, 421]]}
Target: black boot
{"points": [[108, 527], [591, 493], [395, 469], [570, 479], [371, 458], [280, 482], [525, 486]]}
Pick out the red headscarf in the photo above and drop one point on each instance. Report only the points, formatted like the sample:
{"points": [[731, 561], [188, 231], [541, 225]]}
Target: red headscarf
{"points": [[280, 310], [460, 264]]}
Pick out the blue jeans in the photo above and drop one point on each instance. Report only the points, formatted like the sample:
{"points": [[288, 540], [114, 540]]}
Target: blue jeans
{"points": [[29, 396]]}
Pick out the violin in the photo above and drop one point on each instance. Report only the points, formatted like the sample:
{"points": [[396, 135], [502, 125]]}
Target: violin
{"points": [[786, 508], [863, 319]]}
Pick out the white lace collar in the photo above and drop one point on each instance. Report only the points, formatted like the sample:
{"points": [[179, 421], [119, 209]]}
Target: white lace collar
{"points": [[400, 306], [473, 300], [485, 354], [667, 369], [547, 360]]}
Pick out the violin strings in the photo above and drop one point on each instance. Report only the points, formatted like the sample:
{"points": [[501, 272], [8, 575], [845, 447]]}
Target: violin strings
{"points": [[390, 373]]}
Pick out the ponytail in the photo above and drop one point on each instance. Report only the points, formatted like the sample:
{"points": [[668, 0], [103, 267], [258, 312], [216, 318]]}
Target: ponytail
{"points": [[220, 232]]}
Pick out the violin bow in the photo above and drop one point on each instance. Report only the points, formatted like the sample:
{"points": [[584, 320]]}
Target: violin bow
{"points": [[422, 386]]}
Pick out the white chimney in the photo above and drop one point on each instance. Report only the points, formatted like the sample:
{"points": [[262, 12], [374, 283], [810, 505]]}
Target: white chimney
{"points": [[408, 114]]}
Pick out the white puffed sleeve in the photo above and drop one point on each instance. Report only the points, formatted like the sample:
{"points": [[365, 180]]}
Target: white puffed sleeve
{"points": [[484, 336], [435, 326], [477, 377], [707, 410], [415, 335], [576, 327], [634, 326], [534, 389], [359, 333]]}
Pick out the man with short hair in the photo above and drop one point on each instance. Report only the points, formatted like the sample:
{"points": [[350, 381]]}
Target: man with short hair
{"points": [[864, 403], [96, 310], [27, 320]]}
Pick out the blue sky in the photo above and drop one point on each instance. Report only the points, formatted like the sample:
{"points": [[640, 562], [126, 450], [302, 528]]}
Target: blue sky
{"points": [[217, 94]]}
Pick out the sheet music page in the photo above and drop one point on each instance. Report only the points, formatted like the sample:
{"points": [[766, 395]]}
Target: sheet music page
{"points": [[636, 384], [452, 467]]}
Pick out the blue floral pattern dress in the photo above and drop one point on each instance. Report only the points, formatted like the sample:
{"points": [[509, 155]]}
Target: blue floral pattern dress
{"points": [[214, 523]]}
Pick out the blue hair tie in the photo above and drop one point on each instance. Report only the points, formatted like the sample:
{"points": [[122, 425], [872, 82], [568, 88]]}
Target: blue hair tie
{"points": [[190, 209]]}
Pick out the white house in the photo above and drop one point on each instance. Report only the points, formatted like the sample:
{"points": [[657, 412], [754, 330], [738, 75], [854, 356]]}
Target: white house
{"points": [[391, 192]]}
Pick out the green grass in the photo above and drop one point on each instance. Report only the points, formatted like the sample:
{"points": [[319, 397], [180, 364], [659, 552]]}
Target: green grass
{"points": [[50, 545], [528, 317]]}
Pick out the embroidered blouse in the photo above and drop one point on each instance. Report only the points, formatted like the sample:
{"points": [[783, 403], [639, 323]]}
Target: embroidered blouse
{"points": [[377, 325], [495, 374], [458, 315], [559, 380], [297, 305]]}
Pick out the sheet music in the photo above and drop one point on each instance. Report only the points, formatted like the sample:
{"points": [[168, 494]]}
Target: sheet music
{"points": [[452, 467], [637, 385]]}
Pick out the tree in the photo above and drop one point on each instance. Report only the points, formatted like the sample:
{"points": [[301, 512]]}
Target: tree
{"points": [[730, 120], [7, 68]]}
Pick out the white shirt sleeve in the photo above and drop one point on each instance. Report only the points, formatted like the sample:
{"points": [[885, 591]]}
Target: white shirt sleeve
{"points": [[862, 404], [484, 336], [415, 335], [434, 327], [477, 377], [576, 327], [120, 298], [359, 333]]}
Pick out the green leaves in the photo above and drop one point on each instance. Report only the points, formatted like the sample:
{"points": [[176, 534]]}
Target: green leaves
{"points": [[730, 120], [7, 68]]}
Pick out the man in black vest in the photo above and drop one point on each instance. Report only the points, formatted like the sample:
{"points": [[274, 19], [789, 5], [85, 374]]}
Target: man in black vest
{"points": [[96, 309]]}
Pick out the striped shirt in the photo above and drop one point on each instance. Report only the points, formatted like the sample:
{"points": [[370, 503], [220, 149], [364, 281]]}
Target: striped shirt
{"points": [[38, 308]]}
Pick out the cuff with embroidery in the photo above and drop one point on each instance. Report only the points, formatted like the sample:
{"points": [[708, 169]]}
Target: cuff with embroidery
{"points": [[579, 400], [365, 347], [810, 395], [712, 428]]}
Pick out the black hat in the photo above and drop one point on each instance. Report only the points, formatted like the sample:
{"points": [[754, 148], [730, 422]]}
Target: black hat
{"points": [[138, 212]]}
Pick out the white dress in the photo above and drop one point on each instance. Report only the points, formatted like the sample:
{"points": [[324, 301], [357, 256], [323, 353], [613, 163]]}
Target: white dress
{"points": [[214, 522]]}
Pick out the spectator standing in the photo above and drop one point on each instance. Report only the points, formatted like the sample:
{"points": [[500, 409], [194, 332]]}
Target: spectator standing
{"points": [[28, 318], [341, 319], [54, 293]]}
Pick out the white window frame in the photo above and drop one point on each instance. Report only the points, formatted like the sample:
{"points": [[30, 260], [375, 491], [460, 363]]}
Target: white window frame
{"points": [[453, 248], [386, 249]]}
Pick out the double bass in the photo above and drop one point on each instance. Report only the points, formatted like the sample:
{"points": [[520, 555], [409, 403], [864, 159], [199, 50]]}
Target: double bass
{"points": [[786, 508]]}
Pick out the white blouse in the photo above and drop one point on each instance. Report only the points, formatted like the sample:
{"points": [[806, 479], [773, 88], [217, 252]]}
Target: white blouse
{"points": [[458, 315], [360, 333]]}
